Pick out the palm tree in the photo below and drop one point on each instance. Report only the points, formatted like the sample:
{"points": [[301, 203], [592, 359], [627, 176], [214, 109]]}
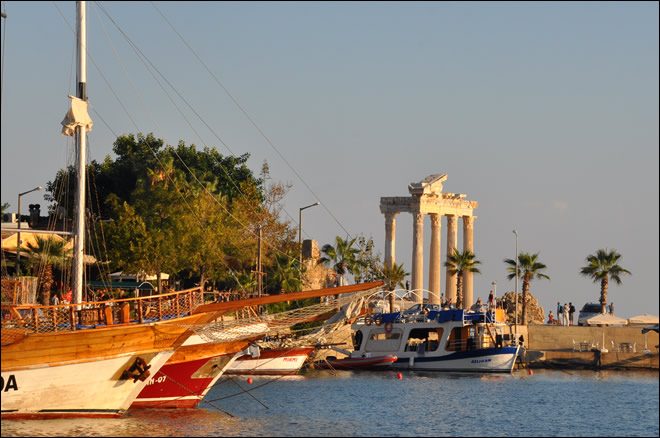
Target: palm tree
{"points": [[528, 269], [393, 277], [458, 263], [46, 253], [341, 257], [603, 266], [243, 281], [283, 275]]}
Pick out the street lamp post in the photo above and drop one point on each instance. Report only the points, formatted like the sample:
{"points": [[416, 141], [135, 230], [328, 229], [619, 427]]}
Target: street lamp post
{"points": [[18, 235], [300, 232], [516, 233]]}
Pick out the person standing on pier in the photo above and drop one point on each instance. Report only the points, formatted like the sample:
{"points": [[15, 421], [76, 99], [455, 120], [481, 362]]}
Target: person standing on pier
{"points": [[571, 312], [560, 309], [565, 315]]}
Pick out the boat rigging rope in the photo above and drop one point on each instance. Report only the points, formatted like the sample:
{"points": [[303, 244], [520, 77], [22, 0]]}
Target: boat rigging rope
{"points": [[244, 328]]}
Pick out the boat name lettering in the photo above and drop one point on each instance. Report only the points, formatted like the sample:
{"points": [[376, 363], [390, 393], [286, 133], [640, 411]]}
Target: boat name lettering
{"points": [[480, 360], [159, 379], [290, 359], [11, 383]]}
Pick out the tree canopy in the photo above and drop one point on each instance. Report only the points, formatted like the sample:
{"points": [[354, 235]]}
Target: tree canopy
{"points": [[192, 213]]}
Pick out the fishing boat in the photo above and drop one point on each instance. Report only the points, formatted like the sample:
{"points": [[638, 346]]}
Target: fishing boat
{"points": [[368, 362], [190, 373], [440, 340], [271, 362]]}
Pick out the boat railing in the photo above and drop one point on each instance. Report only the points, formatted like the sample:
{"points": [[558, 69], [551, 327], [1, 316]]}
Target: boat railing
{"points": [[89, 315], [470, 344]]}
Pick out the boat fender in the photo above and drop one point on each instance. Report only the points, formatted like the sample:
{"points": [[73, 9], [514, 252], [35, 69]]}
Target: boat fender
{"points": [[369, 320], [388, 327], [379, 320]]}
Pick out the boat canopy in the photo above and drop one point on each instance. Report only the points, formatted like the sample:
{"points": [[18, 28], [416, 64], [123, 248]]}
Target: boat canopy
{"points": [[142, 285]]}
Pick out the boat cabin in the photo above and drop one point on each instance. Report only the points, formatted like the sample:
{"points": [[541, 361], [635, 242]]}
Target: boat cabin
{"points": [[439, 330]]}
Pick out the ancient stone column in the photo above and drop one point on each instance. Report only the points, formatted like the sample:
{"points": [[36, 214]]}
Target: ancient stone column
{"points": [[434, 259], [390, 237], [452, 237], [417, 276], [468, 244]]}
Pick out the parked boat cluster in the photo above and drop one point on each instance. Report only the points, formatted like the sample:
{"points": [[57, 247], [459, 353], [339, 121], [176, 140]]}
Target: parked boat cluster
{"points": [[99, 359]]}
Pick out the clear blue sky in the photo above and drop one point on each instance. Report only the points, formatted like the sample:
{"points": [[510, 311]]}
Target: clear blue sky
{"points": [[545, 113]]}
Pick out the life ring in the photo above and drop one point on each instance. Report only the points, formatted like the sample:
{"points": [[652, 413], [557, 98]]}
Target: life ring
{"points": [[388, 327]]}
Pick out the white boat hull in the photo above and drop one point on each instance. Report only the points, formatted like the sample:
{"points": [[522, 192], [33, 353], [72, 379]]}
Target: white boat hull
{"points": [[88, 389], [478, 361], [271, 362]]}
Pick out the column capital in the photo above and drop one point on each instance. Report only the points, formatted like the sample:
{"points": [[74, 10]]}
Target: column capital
{"points": [[468, 221]]}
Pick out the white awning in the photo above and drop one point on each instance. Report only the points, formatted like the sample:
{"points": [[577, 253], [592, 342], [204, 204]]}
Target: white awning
{"points": [[119, 275], [644, 319], [606, 319]]}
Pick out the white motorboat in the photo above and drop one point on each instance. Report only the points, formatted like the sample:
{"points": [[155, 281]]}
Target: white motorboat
{"points": [[440, 340]]}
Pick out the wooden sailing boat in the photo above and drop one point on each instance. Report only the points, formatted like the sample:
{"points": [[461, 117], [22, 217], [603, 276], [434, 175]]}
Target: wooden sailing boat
{"points": [[55, 365], [94, 359]]}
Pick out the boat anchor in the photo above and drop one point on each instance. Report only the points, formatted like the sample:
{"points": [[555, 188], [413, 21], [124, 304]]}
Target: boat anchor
{"points": [[139, 370]]}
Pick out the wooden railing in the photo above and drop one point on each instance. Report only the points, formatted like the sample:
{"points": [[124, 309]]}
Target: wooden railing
{"points": [[81, 316]]}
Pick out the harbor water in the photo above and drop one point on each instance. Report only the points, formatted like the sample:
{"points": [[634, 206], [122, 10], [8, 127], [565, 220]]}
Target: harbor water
{"points": [[345, 403]]}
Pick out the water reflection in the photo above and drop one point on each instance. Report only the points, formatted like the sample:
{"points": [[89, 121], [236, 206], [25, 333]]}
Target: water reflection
{"points": [[324, 403]]}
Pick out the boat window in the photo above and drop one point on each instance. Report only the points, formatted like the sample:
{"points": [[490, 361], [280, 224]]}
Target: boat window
{"points": [[385, 336], [458, 339], [428, 337], [382, 342]]}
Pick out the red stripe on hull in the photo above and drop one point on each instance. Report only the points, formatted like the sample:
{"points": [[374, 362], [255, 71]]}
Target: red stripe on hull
{"points": [[174, 381]]}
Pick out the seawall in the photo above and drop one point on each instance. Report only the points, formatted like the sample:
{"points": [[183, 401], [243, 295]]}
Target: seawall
{"points": [[552, 346]]}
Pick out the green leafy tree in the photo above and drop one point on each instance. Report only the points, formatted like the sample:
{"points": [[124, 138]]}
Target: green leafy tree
{"points": [[127, 239], [529, 268], [43, 254], [459, 263], [194, 213], [601, 267]]}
